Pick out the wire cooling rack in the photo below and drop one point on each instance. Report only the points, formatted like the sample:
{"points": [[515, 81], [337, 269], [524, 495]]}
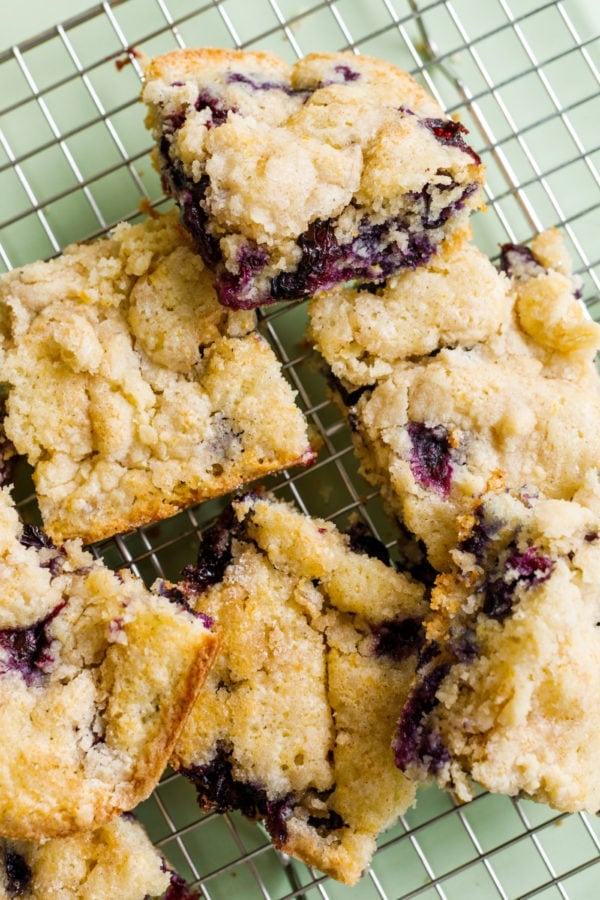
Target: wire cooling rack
{"points": [[523, 75]]}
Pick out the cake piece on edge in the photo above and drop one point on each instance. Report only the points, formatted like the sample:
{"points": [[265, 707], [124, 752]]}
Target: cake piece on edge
{"points": [[114, 861], [295, 725], [131, 391], [525, 401], [508, 688], [293, 179], [97, 676]]}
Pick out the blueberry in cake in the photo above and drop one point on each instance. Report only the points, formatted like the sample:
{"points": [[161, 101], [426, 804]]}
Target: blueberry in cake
{"points": [[131, 391], [97, 675], [116, 860], [296, 723], [523, 401], [509, 679], [548, 294], [293, 179]]}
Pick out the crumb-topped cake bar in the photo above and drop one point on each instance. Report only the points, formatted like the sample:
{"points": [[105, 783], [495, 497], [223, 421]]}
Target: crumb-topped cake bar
{"points": [[131, 391], [522, 400], [97, 675], [293, 179], [509, 683], [296, 722], [114, 861]]}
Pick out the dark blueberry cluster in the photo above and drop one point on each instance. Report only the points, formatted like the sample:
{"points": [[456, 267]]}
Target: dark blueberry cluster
{"points": [[480, 537], [525, 569], [415, 742], [214, 553], [219, 790], [236, 290], [17, 873], [362, 541], [398, 638], [430, 457], [371, 256], [179, 889], [517, 257], [450, 133], [27, 649]]}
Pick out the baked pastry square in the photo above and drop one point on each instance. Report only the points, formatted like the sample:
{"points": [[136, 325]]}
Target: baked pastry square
{"points": [[293, 179], [131, 391], [116, 860], [522, 401], [509, 683], [97, 675], [296, 722]]}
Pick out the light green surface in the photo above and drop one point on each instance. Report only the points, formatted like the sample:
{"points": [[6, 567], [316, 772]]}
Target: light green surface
{"points": [[71, 187]]}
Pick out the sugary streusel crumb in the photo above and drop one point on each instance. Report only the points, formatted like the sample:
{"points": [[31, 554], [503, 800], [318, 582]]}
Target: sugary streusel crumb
{"points": [[131, 391]]}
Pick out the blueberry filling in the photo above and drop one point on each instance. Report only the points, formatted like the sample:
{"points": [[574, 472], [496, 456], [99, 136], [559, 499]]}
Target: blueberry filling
{"points": [[218, 110], [479, 539], [347, 73], [33, 536], [179, 890], [326, 824], [348, 397], [416, 743], [516, 259], [18, 873], [27, 650], [214, 553], [398, 638], [430, 457], [178, 595], [526, 570], [218, 790], [450, 133], [362, 541], [233, 290], [372, 255], [464, 647], [255, 85]]}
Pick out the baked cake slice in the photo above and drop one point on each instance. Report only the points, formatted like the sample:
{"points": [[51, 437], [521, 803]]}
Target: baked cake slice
{"points": [[296, 722], [522, 401], [131, 391], [114, 861], [508, 687], [457, 299], [97, 676], [293, 179]]}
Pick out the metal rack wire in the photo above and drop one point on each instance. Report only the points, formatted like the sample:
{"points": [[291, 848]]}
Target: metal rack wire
{"points": [[524, 77]]}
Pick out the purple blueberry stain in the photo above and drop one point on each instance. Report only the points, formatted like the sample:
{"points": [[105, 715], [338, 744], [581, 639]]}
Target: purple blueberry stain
{"points": [[218, 109], [398, 639], [179, 889], [516, 259], [256, 85], [347, 73], [362, 541], [236, 290], [178, 595], [415, 742], [430, 457], [527, 569], [219, 790], [214, 554], [17, 873], [27, 650], [450, 133]]}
